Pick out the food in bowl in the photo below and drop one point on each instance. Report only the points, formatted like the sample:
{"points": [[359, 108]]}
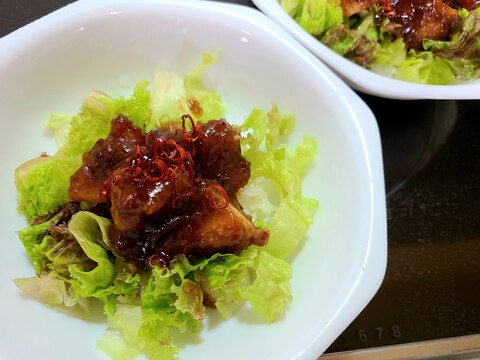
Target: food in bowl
{"points": [[426, 41], [51, 64], [158, 208]]}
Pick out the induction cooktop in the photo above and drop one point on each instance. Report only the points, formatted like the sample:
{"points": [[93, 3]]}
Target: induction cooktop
{"points": [[431, 289]]}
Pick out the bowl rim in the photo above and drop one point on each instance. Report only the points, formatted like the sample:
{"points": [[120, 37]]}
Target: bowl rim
{"points": [[362, 79], [373, 268]]}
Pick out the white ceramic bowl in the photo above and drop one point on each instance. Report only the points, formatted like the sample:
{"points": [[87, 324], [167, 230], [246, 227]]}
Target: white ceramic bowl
{"points": [[51, 64], [360, 78]]}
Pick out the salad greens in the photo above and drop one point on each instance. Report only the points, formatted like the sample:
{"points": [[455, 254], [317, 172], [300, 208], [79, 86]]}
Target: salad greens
{"points": [[79, 268], [373, 44]]}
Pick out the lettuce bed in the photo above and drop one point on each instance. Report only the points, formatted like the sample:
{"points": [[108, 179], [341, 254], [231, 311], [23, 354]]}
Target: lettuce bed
{"points": [[374, 46], [144, 307]]}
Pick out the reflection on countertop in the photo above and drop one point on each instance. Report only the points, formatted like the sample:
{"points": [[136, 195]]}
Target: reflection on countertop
{"points": [[431, 287]]}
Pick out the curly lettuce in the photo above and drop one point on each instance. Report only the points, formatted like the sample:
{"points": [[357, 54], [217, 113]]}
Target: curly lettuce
{"points": [[315, 16], [71, 254], [364, 40]]}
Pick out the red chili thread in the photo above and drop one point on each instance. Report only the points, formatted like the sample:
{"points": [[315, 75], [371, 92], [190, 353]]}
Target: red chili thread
{"points": [[213, 193], [161, 159], [386, 8], [186, 117]]}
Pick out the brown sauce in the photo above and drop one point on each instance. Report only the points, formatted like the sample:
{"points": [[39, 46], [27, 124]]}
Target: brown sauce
{"points": [[466, 4], [169, 192], [418, 19], [423, 19], [195, 107]]}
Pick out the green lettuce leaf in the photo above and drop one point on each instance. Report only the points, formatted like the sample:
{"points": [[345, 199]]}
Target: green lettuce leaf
{"points": [[315, 16], [424, 67], [169, 99], [136, 107], [255, 276], [107, 280], [170, 300], [77, 266], [170, 289], [80, 260], [356, 41], [269, 293], [227, 279], [292, 7], [55, 293], [284, 210], [90, 230], [90, 124], [388, 56], [59, 126], [462, 52], [42, 184], [210, 102], [173, 96], [378, 47], [133, 331], [32, 238], [289, 225]]}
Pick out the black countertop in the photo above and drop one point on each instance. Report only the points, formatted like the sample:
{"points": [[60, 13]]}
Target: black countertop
{"points": [[431, 154]]}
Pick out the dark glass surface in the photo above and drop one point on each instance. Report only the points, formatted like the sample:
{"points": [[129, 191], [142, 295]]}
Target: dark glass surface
{"points": [[17, 13], [432, 166], [431, 152]]}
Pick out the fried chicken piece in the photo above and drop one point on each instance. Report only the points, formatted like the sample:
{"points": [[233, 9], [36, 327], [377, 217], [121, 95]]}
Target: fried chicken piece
{"points": [[421, 19], [424, 19], [106, 156], [351, 7], [219, 156], [201, 229], [136, 204], [467, 4], [171, 191], [208, 231]]}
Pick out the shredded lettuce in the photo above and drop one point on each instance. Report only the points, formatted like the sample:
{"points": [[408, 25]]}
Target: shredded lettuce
{"points": [[76, 266]]}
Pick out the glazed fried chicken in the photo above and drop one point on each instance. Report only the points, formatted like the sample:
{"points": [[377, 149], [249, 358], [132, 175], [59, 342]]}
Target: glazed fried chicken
{"points": [[170, 192], [424, 19], [419, 19], [351, 7]]}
